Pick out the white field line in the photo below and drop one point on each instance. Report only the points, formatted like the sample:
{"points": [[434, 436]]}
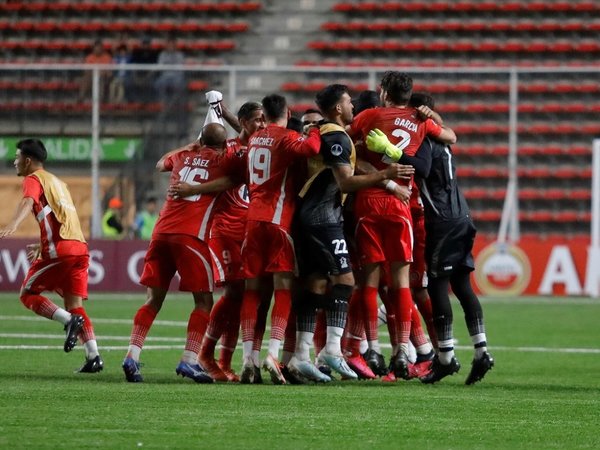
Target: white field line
{"points": [[172, 323], [181, 342]]}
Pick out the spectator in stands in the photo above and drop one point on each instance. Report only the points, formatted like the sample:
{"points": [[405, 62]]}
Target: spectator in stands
{"points": [[310, 117], [97, 56], [112, 225], [138, 86], [146, 219], [119, 80], [170, 82]]}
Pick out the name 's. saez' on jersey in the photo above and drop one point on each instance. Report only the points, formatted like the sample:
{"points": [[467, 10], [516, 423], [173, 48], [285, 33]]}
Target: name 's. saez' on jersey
{"points": [[198, 162]]}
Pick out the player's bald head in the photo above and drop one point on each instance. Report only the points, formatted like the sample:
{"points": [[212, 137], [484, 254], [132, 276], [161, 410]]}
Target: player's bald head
{"points": [[214, 135]]}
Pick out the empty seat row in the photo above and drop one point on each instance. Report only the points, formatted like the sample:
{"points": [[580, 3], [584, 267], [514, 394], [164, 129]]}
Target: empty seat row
{"points": [[564, 172], [536, 128], [549, 149], [85, 45], [564, 216], [471, 26], [134, 25], [77, 108], [583, 6], [62, 85], [529, 194], [486, 46], [217, 7]]}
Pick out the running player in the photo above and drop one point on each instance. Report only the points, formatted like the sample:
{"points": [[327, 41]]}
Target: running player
{"points": [[60, 262]]}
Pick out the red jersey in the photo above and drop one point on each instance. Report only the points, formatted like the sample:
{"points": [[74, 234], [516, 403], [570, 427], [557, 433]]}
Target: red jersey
{"points": [[232, 206], [403, 127], [192, 215], [273, 185], [52, 245]]}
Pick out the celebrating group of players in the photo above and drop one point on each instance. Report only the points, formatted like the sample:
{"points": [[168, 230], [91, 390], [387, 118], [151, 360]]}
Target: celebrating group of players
{"points": [[323, 219]]}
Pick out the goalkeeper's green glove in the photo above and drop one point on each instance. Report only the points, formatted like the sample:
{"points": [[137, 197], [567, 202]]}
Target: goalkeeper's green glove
{"points": [[378, 142]]}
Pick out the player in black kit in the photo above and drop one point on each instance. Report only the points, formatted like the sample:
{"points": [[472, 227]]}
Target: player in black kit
{"points": [[320, 243], [450, 234]]}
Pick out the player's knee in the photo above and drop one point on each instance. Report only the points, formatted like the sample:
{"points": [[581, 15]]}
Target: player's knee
{"points": [[27, 299], [340, 294]]}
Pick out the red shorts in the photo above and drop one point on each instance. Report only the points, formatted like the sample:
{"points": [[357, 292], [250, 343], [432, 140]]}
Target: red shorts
{"points": [[227, 259], [187, 255], [383, 230], [267, 248], [418, 267], [64, 275]]}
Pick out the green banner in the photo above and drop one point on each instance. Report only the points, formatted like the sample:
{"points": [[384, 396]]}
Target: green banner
{"points": [[77, 148]]}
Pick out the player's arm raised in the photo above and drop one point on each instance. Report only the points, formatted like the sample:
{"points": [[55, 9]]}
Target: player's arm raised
{"points": [[22, 211]]}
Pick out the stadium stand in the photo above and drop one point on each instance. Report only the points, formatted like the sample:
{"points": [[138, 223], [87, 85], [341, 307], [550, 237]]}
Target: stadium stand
{"points": [[557, 113]]}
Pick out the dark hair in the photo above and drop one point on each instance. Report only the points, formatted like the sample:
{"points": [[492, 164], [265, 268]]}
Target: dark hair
{"points": [[274, 106], [330, 96], [151, 200], [33, 148], [312, 111], [398, 86], [366, 100], [421, 98], [246, 110], [294, 124]]}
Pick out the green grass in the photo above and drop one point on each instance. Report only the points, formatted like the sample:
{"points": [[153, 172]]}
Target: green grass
{"points": [[537, 396]]}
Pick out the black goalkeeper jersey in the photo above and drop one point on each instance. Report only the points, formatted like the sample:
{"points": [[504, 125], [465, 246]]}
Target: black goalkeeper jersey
{"points": [[321, 199], [436, 177]]}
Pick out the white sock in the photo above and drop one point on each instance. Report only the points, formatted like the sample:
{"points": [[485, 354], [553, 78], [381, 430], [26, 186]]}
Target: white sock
{"points": [[374, 345], [477, 340], [446, 356], [62, 316], [304, 340], [190, 357], [424, 349], [412, 352], [274, 345], [333, 344], [133, 352], [256, 357], [247, 349], [91, 349], [364, 345]]}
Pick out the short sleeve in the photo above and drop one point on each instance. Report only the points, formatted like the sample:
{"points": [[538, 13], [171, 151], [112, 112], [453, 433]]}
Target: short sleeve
{"points": [[169, 163], [32, 188], [336, 148]]}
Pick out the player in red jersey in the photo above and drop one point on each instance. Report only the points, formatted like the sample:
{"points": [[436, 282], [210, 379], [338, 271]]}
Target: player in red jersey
{"points": [[226, 237], [268, 248], [384, 230], [60, 262], [180, 244]]}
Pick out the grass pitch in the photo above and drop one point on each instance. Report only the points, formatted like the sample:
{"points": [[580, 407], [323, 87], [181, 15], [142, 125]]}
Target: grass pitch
{"points": [[544, 392]]}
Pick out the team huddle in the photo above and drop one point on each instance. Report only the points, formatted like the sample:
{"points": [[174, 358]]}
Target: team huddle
{"points": [[359, 202]]}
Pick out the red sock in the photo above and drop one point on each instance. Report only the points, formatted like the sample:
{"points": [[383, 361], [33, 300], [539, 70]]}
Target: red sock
{"points": [[289, 344], [195, 330], [280, 313], [229, 342], [427, 314], [218, 318], [39, 304], [87, 332], [390, 313], [320, 337], [403, 303], [417, 335], [142, 322], [370, 312], [354, 324], [248, 315]]}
